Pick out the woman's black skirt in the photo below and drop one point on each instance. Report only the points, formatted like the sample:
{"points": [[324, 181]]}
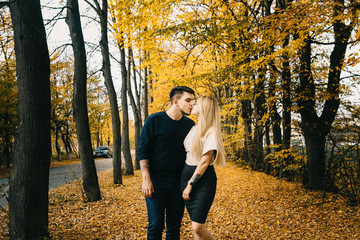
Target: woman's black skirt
{"points": [[202, 193]]}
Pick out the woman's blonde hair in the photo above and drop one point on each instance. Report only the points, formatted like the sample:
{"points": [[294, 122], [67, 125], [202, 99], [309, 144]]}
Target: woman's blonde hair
{"points": [[208, 118]]}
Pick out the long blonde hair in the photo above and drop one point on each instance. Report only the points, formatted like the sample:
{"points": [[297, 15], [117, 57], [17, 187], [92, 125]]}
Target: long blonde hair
{"points": [[209, 117]]}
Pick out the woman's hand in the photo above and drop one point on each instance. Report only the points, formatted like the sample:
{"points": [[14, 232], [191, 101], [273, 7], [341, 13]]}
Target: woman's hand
{"points": [[186, 192]]}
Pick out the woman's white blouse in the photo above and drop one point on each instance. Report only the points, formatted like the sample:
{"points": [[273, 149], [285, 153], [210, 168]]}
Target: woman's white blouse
{"points": [[209, 142]]}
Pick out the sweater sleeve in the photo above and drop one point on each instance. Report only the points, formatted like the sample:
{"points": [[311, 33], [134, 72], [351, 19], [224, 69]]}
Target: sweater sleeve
{"points": [[145, 140]]}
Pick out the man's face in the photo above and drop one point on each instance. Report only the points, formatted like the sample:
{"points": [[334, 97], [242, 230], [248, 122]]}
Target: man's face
{"points": [[185, 103]]}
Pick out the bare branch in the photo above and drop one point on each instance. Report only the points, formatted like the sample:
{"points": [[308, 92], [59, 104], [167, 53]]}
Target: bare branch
{"points": [[62, 47], [56, 17], [96, 8], [3, 4]]}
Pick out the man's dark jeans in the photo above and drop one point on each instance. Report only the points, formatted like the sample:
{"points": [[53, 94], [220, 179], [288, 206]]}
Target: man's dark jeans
{"points": [[167, 198]]}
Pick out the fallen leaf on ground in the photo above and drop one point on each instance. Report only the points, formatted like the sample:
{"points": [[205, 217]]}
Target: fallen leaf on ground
{"points": [[247, 205]]}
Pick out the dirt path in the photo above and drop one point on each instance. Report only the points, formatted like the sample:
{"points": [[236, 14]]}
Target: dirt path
{"points": [[248, 205]]}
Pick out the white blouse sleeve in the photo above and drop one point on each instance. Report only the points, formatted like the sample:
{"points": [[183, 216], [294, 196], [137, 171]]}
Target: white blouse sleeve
{"points": [[210, 143]]}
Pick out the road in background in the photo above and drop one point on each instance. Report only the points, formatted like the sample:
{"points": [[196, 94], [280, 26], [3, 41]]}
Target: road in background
{"points": [[62, 175]]}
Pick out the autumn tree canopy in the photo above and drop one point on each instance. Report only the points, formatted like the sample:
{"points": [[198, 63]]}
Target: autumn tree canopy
{"points": [[276, 67], [279, 69]]}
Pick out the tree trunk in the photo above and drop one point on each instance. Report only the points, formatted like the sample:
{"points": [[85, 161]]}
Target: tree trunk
{"points": [[66, 139], [106, 69], [64, 142], [276, 129], [135, 108], [310, 122], [146, 92], [286, 101], [7, 149], [246, 113], [315, 148], [129, 168], [90, 183], [57, 142], [98, 137], [275, 117], [286, 89], [268, 149], [138, 95], [259, 112], [316, 128], [29, 183]]}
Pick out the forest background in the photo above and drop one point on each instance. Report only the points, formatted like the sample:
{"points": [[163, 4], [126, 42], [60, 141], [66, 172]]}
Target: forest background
{"points": [[285, 73]]}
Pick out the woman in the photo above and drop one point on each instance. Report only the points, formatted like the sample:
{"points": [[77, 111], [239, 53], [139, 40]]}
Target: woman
{"points": [[204, 148]]}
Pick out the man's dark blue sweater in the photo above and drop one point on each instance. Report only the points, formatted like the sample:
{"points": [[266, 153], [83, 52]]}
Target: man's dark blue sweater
{"points": [[161, 142]]}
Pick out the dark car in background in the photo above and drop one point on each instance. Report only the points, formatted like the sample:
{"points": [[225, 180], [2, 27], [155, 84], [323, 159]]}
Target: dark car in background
{"points": [[103, 151]]}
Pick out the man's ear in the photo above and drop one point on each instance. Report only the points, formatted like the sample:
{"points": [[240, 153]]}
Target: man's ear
{"points": [[175, 101]]}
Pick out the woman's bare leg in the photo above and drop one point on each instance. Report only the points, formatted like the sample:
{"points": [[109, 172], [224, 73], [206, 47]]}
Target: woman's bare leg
{"points": [[200, 232]]}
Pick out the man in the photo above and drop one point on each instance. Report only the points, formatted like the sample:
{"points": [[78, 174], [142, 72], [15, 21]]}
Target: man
{"points": [[162, 157]]}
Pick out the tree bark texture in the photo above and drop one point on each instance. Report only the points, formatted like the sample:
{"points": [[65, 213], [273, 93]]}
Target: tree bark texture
{"points": [[267, 164], [135, 108], [246, 113], [146, 92], [57, 147], [7, 142], [90, 179], [65, 136], [275, 118], [259, 112], [29, 183], [286, 80], [106, 69], [316, 128], [286, 113], [129, 168]]}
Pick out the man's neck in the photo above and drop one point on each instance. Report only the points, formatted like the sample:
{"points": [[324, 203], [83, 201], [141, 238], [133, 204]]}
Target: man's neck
{"points": [[174, 113]]}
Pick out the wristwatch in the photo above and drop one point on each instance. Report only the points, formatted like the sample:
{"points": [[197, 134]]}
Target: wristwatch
{"points": [[190, 182]]}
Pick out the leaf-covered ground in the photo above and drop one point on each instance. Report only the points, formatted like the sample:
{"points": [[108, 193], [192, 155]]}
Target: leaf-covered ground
{"points": [[248, 205]]}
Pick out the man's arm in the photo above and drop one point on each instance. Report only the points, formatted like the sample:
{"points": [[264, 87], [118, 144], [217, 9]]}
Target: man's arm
{"points": [[147, 186]]}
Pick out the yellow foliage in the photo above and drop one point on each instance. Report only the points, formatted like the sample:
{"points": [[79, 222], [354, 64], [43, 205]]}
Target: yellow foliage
{"points": [[234, 50]]}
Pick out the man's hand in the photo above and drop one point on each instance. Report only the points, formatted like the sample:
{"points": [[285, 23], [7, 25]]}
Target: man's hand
{"points": [[147, 185], [186, 192]]}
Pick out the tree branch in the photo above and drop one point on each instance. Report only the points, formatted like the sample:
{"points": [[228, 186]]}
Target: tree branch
{"points": [[3, 4], [62, 47]]}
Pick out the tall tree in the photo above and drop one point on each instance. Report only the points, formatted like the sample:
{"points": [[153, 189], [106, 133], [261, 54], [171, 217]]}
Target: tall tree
{"points": [[146, 91], [90, 179], [129, 169], [259, 112], [135, 105], [29, 183], [106, 69], [122, 18], [281, 141], [315, 128]]}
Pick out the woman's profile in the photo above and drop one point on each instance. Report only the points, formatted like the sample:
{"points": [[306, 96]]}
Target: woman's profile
{"points": [[204, 149]]}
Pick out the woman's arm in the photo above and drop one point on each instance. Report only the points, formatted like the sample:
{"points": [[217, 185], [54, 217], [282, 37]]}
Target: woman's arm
{"points": [[199, 171]]}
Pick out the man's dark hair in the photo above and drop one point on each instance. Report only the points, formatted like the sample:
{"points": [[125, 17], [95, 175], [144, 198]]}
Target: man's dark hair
{"points": [[177, 92]]}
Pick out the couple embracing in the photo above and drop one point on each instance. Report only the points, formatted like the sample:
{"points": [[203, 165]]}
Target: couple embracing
{"points": [[176, 159]]}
